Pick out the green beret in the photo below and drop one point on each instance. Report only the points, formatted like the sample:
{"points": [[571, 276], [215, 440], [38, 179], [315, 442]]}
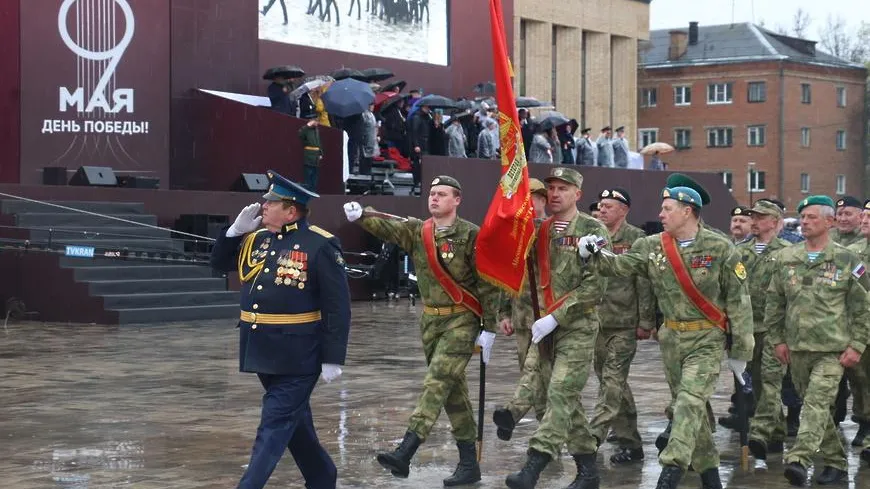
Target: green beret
{"points": [[567, 175], [446, 180], [815, 200], [680, 180]]}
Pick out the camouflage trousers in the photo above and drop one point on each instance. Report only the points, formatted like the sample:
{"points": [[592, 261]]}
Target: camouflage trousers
{"points": [[531, 391], [859, 385], [816, 376], [448, 343], [692, 362], [565, 420], [768, 424], [614, 352]]}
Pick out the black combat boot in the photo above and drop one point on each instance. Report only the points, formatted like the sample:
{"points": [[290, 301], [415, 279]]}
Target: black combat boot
{"points": [[504, 421], [730, 422], [796, 474], [863, 431], [775, 447], [467, 471], [865, 456], [664, 436], [528, 476], [758, 449], [626, 455], [587, 472], [670, 477], [399, 461], [831, 475], [710, 479], [793, 420]]}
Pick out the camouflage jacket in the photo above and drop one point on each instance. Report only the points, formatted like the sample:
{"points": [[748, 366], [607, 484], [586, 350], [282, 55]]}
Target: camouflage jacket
{"points": [[862, 249], [455, 248], [715, 267], [518, 309], [845, 239], [759, 270], [570, 277], [629, 302], [820, 306]]}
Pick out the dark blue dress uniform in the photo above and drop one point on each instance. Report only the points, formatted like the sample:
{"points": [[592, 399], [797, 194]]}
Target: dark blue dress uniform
{"points": [[295, 316]]}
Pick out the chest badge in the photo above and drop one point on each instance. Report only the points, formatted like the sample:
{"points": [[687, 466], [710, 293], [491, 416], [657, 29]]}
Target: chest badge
{"points": [[448, 250]]}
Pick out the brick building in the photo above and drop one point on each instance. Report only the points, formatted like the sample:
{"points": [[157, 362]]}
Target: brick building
{"points": [[773, 115], [582, 56]]}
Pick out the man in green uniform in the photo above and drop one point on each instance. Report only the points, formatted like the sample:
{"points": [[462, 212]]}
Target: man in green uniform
{"points": [[569, 294], [689, 259], [516, 318], [627, 314], [859, 375], [456, 299], [818, 319], [311, 152]]}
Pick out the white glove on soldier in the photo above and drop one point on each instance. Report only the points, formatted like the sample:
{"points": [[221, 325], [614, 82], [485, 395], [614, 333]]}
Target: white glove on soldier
{"points": [[247, 221], [738, 367], [485, 341], [588, 246], [543, 327], [329, 372], [353, 211]]}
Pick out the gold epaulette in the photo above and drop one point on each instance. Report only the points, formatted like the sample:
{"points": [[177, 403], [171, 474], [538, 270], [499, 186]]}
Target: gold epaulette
{"points": [[319, 230]]}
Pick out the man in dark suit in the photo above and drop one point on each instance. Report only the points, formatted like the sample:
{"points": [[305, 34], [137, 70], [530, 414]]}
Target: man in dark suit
{"points": [[294, 324]]}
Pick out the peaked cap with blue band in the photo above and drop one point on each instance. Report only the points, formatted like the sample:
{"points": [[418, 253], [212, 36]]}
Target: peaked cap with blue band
{"points": [[680, 180], [281, 188], [685, 195]]}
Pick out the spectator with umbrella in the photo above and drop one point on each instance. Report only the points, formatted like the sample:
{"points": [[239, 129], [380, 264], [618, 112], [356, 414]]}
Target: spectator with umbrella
{"points": [[655, 149], [369, 142], [566, 141], [279, 89], [555, 145], [456, 140], [438, 137], [540, 150], [394, 126], [420, 128], [486, 149]]}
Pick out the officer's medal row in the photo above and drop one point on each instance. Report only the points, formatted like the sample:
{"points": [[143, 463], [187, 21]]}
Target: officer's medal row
{"points": [[261, 253], [292, 269]]}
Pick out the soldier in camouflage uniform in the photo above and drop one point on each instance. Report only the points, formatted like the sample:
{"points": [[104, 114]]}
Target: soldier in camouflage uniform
{"points": [[516, 318], [626, 315], [818, 319], [859, 375], [449, 327], [569, 294], [691, 343]]}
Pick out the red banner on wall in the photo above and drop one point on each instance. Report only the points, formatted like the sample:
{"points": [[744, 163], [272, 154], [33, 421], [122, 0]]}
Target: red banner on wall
{"points": [[95, 86]]}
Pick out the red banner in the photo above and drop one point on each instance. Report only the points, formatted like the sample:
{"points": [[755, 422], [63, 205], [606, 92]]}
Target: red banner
{"points": [[507, 231]]}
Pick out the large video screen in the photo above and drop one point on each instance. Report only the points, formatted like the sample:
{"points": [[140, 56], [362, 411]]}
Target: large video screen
{"points": [[415, 30]]}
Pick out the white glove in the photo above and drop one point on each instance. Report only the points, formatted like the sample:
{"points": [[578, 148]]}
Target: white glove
{"points": [[246, 222], [543, 327], [588, 245], [738, 367], [329, 372], [485, 340], [353, 211]]}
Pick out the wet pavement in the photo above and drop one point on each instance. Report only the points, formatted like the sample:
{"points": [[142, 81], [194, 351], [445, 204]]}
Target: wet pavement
{"points": [[163, 406]]}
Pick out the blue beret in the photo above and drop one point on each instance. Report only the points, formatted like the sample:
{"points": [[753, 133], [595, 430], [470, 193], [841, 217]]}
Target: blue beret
{"points": [[816, 200], [281, 188], [685, 195]]}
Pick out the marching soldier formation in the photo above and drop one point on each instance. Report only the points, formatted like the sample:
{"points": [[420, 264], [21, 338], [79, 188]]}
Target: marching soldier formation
{"points": [[792, 318]]}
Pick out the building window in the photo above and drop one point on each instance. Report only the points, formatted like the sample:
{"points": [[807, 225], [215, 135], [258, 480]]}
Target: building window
{"points": [[841, 96], [683, 95], [805, 137], [727, 180], [648, 136], [719, 137], [805, 183], [719, 93], [756, 181], [841, 184], [554, 58], [806, 93], [841, 140], [757, 92], [757, 135], [648, 97], [682, 138]]}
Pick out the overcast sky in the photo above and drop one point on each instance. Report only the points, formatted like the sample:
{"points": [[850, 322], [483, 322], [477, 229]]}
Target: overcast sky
{"points": [[677, 13]]}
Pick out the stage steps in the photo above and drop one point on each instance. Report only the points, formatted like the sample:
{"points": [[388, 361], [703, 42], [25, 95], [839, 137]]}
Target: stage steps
{"points": [[122, 291]]}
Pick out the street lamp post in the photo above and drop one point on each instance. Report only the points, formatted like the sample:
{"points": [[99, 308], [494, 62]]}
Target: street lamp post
{"points": [[751, 172]]}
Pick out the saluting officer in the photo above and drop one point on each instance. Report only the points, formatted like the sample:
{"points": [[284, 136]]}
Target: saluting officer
{"points": [[294, 324]]}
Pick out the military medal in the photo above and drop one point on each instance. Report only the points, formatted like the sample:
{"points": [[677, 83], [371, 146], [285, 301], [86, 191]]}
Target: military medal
{"points": [[287, 280], [303, 276], [278, 280], [301, 285], [293, 282]]}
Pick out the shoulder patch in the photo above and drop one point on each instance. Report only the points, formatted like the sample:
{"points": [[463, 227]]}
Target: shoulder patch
{"points": [[319, 230], [859, 271], [339, 258], [740, 270]]}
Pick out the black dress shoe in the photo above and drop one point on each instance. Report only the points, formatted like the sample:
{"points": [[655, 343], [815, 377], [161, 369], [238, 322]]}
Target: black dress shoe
{"points": [[796, 474], [830, 475], [626, 455], [730, 422]]}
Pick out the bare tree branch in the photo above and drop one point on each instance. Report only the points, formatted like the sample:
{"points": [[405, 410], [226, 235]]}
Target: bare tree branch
{"points": [[800, 23]]}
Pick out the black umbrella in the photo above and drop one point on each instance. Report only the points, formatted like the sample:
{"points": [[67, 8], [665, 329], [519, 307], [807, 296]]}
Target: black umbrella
{"points": [[552, 119], [343, 73], [377, 74], [436, 102], [465, 104], [485, 88], [286, 71], [527, 102], [396, 86], [348, 97], [386, 104]]}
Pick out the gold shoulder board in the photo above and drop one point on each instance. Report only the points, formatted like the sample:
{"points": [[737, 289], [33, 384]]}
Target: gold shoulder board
{"points": [[319, 230]]}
